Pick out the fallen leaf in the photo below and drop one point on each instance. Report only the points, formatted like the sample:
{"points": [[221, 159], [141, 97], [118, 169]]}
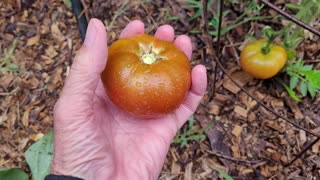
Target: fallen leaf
{"points": [[34, 40], [188, 171], [36, 137], [25, 117], [237, 130], [241, 111]]}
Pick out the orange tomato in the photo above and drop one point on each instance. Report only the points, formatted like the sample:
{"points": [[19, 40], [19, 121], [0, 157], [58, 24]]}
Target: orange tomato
{"points": [[262, 65], [145, 76]]}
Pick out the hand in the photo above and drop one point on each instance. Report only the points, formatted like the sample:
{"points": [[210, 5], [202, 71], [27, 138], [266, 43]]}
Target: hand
{"points": [[93, 138]]}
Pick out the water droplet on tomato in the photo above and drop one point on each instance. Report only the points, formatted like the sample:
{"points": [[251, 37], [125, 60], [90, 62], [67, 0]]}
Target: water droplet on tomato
{"points": [[161, 85], [138, 84]]}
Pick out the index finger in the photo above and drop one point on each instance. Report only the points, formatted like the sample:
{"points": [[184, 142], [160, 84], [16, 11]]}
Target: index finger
{"points": [[135, 27]]}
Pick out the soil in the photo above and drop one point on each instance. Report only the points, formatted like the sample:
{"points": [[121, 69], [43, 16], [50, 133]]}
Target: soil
{"points": [[246, 141]]}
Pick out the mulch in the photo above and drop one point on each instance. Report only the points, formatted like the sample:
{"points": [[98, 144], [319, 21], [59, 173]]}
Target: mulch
{"points": [[246, 141]]}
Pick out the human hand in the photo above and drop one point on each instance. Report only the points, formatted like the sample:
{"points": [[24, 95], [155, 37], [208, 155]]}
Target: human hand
{"points": [[93, 139]]}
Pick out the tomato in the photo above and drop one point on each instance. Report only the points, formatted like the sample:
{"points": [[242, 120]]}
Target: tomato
{"points": [[145, 76], [262, 65]]}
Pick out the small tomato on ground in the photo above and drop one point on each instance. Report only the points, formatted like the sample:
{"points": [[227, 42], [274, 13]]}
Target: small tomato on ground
{"points": [[262, 64], [145, 76]]}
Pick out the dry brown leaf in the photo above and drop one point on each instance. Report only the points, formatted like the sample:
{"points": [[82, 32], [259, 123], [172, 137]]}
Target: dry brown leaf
{"points": [[51, 52], [316, 148], [214, 165], [236, 131], [55, 79], [303, 136], [188, 171], [276, 156], [56, 33], [34, 40], [23, 143], [214, 109], [252, 117], [25, 117], [241, 77], [241, 111], [36, 137], [235, 151]]}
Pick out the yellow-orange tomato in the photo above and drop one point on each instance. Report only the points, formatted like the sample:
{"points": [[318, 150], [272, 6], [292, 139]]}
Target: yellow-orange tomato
{"points": [[145, 76], [262, 65]]}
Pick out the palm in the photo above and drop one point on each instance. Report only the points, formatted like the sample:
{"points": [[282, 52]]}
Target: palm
{"points": [[134, 141]]}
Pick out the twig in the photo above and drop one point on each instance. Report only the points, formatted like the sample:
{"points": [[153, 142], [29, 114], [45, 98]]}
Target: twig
{"points": [[302, 152], [218, 41], [292, 18], [237, 160], [207, 41]]}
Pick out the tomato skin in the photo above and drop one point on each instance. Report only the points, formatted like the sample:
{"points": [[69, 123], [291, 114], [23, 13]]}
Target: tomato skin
{"points": [[141, 89], [259, 65]]}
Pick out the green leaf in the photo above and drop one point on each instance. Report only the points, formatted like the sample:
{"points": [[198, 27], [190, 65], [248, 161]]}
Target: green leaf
{"points": [[191, 122], [314, 78], [68, 3], [293, 82], [307, 67], [213, 22], [13, 174], [292, 94], [197, 137], [291, 53], [224, 175], [39, 156], [303, 88], [312, 90]]}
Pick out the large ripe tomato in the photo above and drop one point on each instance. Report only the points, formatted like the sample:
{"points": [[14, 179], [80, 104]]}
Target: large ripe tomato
{"points": [[262, 65], [145, 76]]}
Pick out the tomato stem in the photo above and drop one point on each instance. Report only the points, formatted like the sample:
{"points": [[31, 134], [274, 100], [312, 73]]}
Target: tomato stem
{"points": [[266, 49], [148, 58]]}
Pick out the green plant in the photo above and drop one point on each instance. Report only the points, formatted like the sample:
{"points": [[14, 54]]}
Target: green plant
{"points": [[68, 3], [302, 77], [306, 11], [194, 4], [224, 175], [251, 13], [6, 64], [38, 156], [169, 17], [12, 174], [190, 134]]}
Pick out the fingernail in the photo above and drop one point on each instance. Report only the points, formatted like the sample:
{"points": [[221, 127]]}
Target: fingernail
{"points": [[90, 35]]}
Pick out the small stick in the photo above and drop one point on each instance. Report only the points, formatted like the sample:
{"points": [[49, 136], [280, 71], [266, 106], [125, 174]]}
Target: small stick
{"points": [[237, 160], [291, 18]]}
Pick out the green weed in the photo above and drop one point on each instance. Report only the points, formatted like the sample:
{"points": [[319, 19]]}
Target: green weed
{"points": [[189, 134], [6, 64], [68, 3], [251, 13]]}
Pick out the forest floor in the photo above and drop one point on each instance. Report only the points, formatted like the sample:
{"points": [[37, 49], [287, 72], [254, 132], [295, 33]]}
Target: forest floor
{"points": [[244, 139]]}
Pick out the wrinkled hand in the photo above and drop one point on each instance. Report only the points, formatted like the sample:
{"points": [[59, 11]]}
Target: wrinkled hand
{"points": [[96, 140]]}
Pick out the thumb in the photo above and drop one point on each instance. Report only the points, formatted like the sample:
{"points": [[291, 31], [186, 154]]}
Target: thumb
{"points": [[88, 64]]}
